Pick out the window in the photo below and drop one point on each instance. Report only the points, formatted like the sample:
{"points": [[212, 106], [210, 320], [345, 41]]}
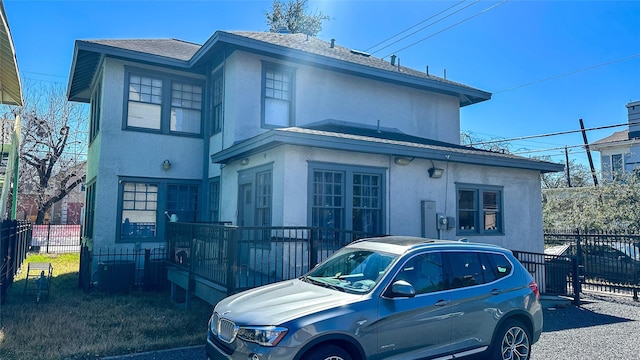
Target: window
{"points": [[479, 210], [163, 104], [277, 96], [96, 106], [214, 199], [145, 102], [217, 92], [90, 209], [139, 204], [186, 107], [424, 272], [475, 268], [263, 198], [342, 194], [182, 201], [617, 166]]}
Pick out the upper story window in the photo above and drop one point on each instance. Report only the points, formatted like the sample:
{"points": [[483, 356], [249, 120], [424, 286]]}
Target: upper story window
{"points": [[479, 210], [277, 95], [96, 106], [217, 91], [617, 166], [163, 104]]}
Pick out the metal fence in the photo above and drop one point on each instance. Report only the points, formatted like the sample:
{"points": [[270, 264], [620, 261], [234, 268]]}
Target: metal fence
{"points": [[14, 241], [55, 239], [239, 258], [606, 261]]}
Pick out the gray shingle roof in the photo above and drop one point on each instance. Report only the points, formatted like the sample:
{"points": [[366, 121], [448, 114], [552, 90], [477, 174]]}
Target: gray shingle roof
{"points": [[186, 55], [170, 48], [615, 137]]}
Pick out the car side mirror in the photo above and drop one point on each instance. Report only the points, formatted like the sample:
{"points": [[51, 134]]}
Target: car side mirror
{"points": [[402, 288]]}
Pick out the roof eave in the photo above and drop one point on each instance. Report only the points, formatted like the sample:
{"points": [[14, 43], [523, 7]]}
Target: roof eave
{"points": [[11, 86], [467, 95], [77, 90], [274, 138]]}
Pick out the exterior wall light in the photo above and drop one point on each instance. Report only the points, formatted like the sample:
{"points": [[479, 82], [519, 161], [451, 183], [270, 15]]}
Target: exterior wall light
{"points": [[435, 172], [166, 165], [402, 160], [244, 161]]}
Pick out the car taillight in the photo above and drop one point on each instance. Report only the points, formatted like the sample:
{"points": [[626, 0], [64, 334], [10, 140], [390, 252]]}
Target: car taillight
{"points": [[534, 287]]}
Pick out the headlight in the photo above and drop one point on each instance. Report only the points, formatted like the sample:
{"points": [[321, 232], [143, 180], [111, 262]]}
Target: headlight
{"points": [[263, 335]]}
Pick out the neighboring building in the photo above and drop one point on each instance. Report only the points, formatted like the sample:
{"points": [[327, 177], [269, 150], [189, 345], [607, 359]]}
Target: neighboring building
{"points": [[10, 94], [620, 152], [288, 130]]}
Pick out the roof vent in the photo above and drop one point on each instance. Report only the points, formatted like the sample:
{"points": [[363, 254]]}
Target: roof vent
{"points": [[393, 60], [333, 43], [361, 53], [283, 30]]}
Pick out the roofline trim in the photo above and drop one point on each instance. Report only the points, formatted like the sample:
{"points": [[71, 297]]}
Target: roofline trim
{"points": [[274, 138]]}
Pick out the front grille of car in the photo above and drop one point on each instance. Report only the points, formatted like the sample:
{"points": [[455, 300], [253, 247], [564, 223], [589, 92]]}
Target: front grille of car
{"points": [[227, 330]]}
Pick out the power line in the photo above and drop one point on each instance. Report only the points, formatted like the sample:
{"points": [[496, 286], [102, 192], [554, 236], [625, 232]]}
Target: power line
{"points": [[569, 73], [422, 28], [555, 133], [449, 27]]}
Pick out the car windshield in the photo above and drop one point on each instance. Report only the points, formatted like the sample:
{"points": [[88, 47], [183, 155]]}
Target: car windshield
{"points": [[351, 270]]}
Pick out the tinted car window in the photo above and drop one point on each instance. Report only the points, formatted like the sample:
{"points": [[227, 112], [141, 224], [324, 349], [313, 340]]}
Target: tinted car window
{"points": [[425, 272], [465, 269], [499, 264]]}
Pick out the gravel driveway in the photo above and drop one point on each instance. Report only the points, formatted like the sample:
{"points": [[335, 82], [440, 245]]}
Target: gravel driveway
{"points": [[604, 327]]}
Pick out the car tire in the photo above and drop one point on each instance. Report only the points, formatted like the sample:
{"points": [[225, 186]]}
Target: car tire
{"points": [[512, 342], [327, 352]]}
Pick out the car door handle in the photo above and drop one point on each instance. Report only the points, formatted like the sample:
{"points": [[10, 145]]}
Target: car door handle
{"points": [[496, 292], [442, 303]]}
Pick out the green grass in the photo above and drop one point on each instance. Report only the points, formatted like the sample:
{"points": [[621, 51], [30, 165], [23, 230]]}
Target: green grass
{"points": [[71, 324]]}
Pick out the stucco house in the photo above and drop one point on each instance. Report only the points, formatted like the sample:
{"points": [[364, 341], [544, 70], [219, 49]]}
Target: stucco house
{"points": [[620, 152], [258, 128]]}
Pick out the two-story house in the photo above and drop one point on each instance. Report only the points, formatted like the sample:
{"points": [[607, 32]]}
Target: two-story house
{"points": [[620, 151], [287, 130]]}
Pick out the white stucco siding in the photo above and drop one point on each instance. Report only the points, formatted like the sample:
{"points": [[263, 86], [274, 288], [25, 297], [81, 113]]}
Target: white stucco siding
{"points": [[405, 187], [321, 94]]}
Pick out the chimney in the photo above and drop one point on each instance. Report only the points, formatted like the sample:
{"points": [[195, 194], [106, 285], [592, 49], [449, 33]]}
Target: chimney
{"points": [[393, 60], [333, 43], [634, 119]]}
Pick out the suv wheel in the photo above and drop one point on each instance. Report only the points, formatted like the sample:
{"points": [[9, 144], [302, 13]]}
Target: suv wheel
{"points": [[512, 342], [328, 352]]}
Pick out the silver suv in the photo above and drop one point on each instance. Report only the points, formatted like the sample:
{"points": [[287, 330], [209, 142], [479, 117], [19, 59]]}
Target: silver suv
{"points": [[387, 298]]}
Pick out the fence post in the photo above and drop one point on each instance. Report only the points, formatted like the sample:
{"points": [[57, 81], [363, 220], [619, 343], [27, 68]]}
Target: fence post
{"points": [[84, 278], [575, 281], [233, 241], [48, 236], [313, 249]]}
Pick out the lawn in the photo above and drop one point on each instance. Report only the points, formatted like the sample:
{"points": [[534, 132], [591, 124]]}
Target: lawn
{"points": [[71, 324]]}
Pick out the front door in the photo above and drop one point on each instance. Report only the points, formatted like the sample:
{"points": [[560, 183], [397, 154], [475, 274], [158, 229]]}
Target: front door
{"points": [[246, 205]]}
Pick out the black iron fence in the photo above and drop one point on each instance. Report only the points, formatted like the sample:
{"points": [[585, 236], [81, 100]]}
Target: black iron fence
{"points": [[239, 258], [14, 244], [55, 239], [606, 261]]}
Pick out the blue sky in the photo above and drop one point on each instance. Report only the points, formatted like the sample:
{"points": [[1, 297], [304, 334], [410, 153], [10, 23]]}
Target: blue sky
{"points": [[508, 48]]}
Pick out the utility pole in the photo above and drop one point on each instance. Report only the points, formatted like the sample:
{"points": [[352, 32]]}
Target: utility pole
{"points": [[586, 146], [566, 157]]}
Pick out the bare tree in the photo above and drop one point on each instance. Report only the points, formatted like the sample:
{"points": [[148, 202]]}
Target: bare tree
{"points": [[52, 147], [292, 17]]}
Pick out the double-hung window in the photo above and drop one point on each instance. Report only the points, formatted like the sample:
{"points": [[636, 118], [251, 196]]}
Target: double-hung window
{"points": [[182, 201], [617, 166], [217, 91], [214, 199], [349, 198], [163, 104], [96, 107], [479, 210], [139, 204], [277, 95]]}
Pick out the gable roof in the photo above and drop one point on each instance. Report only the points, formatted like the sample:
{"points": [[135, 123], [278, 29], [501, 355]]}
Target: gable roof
{"points": [[617, 138], [295, 47], [384, 143]]}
